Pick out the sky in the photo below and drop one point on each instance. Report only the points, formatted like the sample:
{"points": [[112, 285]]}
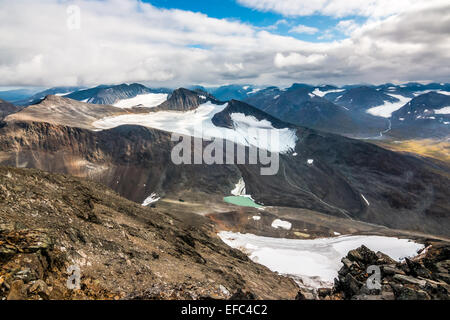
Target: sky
{"points": [[171, 43]]}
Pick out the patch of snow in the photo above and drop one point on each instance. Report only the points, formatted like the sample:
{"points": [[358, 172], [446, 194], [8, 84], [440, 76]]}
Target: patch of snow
{"points": [[336, 233], [321, 94], [277, 223], [295, 154], [150, 199], [444, 92], [148, 100], [245, 87], [445, 110], [256, 218], [276, 97], [63, 94], [365, 200], [310, 161], [317, 258], [401, 119], [388, 108], [247, 130], [311, 95], [255, 90], [239, 189], [202, 97]]}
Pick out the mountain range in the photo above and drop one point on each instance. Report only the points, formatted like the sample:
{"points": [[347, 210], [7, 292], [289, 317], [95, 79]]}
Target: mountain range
{"points": [[92, 177]]}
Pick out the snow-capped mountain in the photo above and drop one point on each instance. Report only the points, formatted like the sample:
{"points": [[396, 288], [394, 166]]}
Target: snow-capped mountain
{"points": [[205, 117], [121, 95], [363, 98], [305, 106], [428, 106]]}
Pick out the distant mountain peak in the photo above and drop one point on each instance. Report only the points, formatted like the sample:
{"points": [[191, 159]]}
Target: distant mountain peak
{"points": [[223, 118], [183, 99]]}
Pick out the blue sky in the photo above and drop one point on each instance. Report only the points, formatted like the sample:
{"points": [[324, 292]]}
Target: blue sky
{"points": [[232, 10]]}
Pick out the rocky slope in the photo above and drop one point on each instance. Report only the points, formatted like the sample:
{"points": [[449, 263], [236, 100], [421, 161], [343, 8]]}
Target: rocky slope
{"points": [[59, 110], [49, 223]]}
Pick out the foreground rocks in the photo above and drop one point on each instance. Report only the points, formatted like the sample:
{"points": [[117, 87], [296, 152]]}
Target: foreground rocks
{"points": [[50, 225], [425, 277]]}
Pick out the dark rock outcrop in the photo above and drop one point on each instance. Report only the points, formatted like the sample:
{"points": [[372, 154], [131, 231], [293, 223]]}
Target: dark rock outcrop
{"points": [[425, 277]]}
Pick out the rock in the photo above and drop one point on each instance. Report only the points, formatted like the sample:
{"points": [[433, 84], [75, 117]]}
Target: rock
{"points": [[390, 270], [367, 297], [26, 275], [351, 285], [417, 269], [387, 295], [444, 276], [18, 291], [243, 295], [323, 292], [347, 262], [409, 280], [304, 295], [384, 258], [363, 255], [40, 287], [407, 293]]}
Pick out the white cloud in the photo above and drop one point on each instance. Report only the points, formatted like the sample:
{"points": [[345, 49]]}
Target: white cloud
{"points": [[297, 59], [347, 26], [127, 40], [304, 29], [335, 8]]}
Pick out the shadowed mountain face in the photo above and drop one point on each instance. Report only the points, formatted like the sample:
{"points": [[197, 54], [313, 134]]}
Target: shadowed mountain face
{"points": [[363, 98], [325, 173], [426, 116], [112, 94], [232, 92], [299, 106], [7, 108], [184, 100]]}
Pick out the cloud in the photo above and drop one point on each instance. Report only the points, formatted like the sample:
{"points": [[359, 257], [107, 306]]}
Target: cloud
{"points": [[347, 26], [297, 59], [128, 40], [335, 8], [304, 29]]}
